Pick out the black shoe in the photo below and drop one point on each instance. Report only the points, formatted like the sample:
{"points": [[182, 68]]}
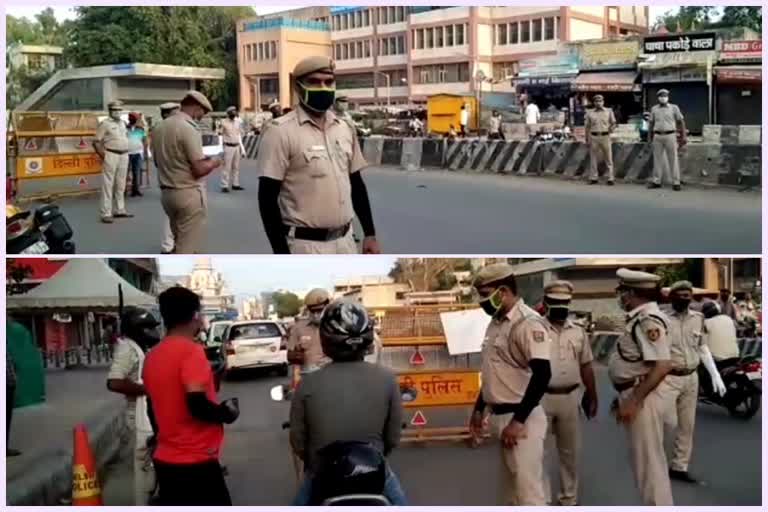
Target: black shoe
{"points": [[682, 476], [611, 183], [238, 188], [137, 194], [225, 190], [677, 188], [593, 182], [654, 185], [10, 452]]}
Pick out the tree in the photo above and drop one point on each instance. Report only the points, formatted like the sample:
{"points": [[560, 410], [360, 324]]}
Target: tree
{"points": [[15, 274], [287, 304], [686, 19], [427, 274], [743, 16]]}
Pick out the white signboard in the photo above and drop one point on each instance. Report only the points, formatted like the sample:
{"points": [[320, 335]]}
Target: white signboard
{"points": [[465, 330]]}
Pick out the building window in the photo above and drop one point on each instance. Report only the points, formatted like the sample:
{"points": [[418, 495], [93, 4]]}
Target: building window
{"points": [[273, 44], [459, 35], [504, 70], [514, 33], [428, 40], [268, 86], [383, 18], [401, 45], [439, 37], [367, 49], [401, 14], [537, 34], [392, 14], [367, 17], [345, 51], [420, 39], [360, 50], [525, 32], [344, 21], [502, 34], [338, 52], [355, 81], [359, 19], [442, 73], [549, 29], [249, 53], [260, 52], [449, 30]]}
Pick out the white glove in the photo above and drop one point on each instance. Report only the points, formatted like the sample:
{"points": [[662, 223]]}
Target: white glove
{"points": [[709, 364]]}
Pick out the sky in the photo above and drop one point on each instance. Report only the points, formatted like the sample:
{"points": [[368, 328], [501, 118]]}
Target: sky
{"points": [[66, 12], [251, 275]]}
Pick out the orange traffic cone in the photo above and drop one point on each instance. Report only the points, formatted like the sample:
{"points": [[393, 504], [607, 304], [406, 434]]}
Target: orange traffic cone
{"points": [[85, 482]]}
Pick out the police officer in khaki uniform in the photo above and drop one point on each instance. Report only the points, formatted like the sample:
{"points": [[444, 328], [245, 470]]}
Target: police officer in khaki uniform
{"points": [[231, 131], [304, 348], [177, 146], [112, 145], [639, 363], [166, 246], [515, 376], [571, 362], [665, 126], [310, 162], [681, 386], [600, 123]]}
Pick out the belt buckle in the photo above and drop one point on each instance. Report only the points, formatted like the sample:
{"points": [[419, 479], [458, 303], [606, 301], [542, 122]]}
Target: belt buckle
{"points": [[291, 232]]}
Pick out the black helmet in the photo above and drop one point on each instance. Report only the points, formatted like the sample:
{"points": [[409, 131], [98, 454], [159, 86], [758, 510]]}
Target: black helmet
{"points": [[710, 309], [140, 325], [346, 330], [348, 467]]}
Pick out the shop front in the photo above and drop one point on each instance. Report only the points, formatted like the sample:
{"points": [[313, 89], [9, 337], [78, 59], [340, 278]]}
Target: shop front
{"points": [[682, 64], [548, 81], [738, 83], [610, 69]]}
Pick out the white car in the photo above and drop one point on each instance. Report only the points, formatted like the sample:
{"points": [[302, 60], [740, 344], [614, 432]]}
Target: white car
{"points": [[216, 332], [256, 344]]}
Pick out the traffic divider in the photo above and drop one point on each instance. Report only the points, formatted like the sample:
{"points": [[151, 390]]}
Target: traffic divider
{"points": [[251, 145]]}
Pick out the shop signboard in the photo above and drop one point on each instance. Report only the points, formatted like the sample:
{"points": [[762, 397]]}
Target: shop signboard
{"points": [[736, 51], [611, 55], [676, 43]]}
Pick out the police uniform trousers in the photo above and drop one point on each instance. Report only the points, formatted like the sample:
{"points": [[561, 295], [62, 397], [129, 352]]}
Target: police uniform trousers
{"points": [[522, 480], [682, 395], [143, 469], [600, 151], [167, 243], [564, 430], [114, 176], [665, 160], [187, 211], [231, 171], [343, 245], [646, 448]]}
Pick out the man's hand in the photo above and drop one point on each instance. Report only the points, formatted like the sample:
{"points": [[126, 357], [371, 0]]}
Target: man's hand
{"points": [[233, 410], [476, 424], [371, 245], [589, 405], [512, 433], [627, 410]]}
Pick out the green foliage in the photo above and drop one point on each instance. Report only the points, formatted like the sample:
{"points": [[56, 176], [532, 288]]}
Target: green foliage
{"points": [[23, 82], [286, 304], [705, 17], [43, 30]]}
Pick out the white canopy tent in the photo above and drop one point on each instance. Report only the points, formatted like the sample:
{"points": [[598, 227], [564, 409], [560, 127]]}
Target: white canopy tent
{"points": [[84, 285]]}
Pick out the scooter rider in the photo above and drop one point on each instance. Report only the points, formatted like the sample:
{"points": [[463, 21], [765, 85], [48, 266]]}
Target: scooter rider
{"points": [[364, 399], [722, 342]]}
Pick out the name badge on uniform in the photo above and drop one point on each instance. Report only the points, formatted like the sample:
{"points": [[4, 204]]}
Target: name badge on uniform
{"points": [[317, 148]]}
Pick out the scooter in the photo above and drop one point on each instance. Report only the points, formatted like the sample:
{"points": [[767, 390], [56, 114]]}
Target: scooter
{"points": [[744, 386], [346, 457], [44, 231]]}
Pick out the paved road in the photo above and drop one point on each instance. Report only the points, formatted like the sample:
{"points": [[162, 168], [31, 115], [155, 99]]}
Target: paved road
{"points": [[726, 455], [431, 212]]}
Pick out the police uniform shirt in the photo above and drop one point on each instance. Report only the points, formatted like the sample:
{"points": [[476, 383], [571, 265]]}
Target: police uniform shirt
{"points": [[665, 117], [510, 344], [307, 336], [314, 164], [495, 124], [652, 344], [230, 131], [686, 336], [125, 364], [113, 135], [600, 120], [176, 143], [570, 350]]}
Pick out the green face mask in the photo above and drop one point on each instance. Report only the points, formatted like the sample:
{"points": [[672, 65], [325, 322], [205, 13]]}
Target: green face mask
{"points": [[317, 99], [492, 304]]}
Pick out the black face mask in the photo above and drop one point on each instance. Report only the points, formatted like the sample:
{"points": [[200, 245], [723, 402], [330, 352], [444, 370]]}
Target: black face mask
{"points": [[680, 305], [557, 313], [488, 308], [317, 99], [232, 116]]}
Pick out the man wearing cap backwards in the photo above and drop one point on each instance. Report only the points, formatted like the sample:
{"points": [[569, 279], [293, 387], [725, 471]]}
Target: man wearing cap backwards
{"points": [[231, 130], [600, 124], [166, 246], [681, 386], [181, 166], [571, 363], [112, 145], [515, 376], [665, 126], [639, 363], [311, 187]]}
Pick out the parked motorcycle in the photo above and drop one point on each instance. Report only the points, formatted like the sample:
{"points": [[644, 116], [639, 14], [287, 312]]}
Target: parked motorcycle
{"points": [[44, 231], [743, 384]]}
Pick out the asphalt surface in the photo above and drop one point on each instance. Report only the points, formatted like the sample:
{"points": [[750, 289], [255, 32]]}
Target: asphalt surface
{"points": [[435, 212], [726, 456]]}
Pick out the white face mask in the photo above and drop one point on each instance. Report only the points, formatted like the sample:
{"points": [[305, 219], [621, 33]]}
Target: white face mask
{"points": [[115, 114], [664, 100]]}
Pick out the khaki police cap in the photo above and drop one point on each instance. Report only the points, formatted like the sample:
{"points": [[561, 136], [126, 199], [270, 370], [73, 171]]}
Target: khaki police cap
{"points": [[115, 105], [313, 65], [492, 274], [663, 92], [200, 99], [274, 104], [681, 286], [169, 106], [637, 279], [316, 297], [342, 98], [597, 97], [231, 109], [559, 290]]}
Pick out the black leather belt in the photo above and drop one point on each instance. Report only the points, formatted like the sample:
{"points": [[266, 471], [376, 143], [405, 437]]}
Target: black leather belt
{"points": [[623, 386], [117, 152], [317, 234], [232, 145], [682, 372], [501, 409], [562, 390], [600, 134], [665, 133]]}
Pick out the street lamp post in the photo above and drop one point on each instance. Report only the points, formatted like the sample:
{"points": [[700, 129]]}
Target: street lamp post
{"points": [[389, 88], [480, 78]]}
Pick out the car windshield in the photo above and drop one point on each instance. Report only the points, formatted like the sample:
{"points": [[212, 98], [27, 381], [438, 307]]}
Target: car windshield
{"points": [[218, 331], [254, 331]]}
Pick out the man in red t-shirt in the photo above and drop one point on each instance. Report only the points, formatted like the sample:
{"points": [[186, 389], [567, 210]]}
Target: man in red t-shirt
{"points": [[182, 403]]}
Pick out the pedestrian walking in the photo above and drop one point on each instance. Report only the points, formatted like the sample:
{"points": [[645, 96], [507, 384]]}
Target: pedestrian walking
{"points": [[311, 186], [139, 334], [112, 145], [571, 364], [137, 157], [10, 401], [231, 131], [515, 375], [532, 118], [494, 129], [177, 147], [637, 366], [666, 132], [182, 400], [600, 123], [464, 120], [681, 386]]}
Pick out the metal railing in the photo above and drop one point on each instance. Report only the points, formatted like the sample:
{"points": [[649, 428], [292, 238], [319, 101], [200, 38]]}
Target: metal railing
{"points": [[77, 356]]}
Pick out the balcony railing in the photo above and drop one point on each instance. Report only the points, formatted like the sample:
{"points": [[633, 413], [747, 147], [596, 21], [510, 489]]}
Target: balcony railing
{"points": [[286, 23]]}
